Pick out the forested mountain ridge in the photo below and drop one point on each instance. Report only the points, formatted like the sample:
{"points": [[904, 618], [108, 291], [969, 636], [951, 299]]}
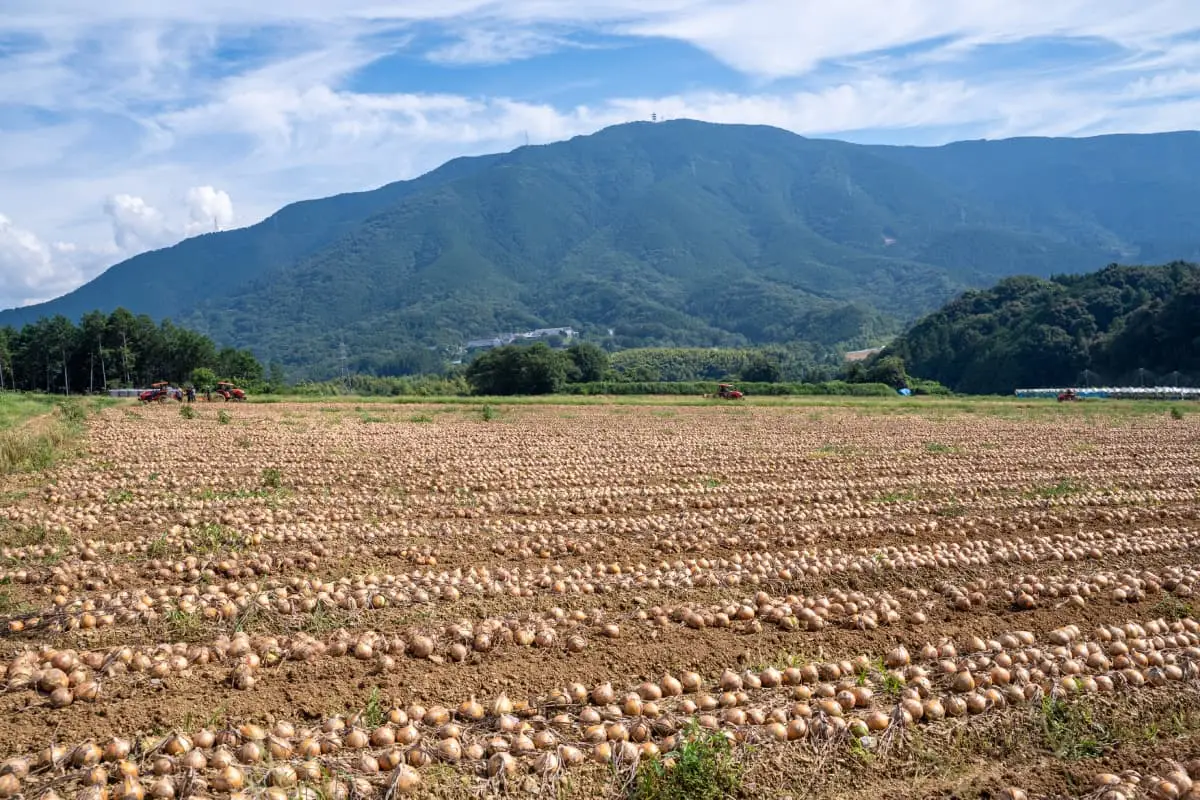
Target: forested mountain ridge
{"points": [[676, 233], [1113, 326]]}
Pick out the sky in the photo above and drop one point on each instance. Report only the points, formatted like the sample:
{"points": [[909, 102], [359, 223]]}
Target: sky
{"points": [[129, 125]]}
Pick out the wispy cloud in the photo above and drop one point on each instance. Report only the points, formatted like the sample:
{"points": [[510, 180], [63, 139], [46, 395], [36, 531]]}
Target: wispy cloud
{"points": [[113, 114]]}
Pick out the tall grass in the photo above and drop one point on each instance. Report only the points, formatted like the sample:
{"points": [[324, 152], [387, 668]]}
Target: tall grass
{"points": [[36, 430]]}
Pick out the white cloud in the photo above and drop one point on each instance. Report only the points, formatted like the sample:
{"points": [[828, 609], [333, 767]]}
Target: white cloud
{"points": [[136, 101], [209, 209], [484, 46], [136, 225], [32, 270]]}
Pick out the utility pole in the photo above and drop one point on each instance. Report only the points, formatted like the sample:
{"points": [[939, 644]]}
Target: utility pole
{"points": [[66, 380], [343, 355]]}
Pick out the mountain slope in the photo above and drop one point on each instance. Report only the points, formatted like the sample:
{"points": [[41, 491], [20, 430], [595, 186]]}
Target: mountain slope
{"points": [[676, 233], [1029, 333], [166, 283]]}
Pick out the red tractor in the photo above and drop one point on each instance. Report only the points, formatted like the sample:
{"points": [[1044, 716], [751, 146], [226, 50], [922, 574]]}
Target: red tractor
{"points": [[230, 392], [157, 394], [726, 392], [1068, 396]]}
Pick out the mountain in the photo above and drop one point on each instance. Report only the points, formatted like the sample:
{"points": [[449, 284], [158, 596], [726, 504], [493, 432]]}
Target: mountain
{"points": [[1118, 326], [671, 233]]}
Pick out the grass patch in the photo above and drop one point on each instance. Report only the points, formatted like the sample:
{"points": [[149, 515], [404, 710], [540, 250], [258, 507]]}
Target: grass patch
{"points": [[271, 478], [1063, 488], [834, 450], [224, 417], [1172, 608], [37, 430], [938, 448], [9, 604], [702, 767], [264, 493], [906, 496], [955, 509], [421, 418], [185, 627], [187, 412], [213, 537], [489, 412], [118, 496], [1071, 731], [1176, 413]]}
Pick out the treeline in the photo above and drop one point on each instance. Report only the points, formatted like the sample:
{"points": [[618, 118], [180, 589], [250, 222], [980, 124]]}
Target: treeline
{"points": [[1137, 325], [770, 364], [56, 355], [585, 368]]}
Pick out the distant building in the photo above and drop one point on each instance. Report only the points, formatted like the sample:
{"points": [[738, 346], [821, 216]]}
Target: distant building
{"points": [[862, 355], [477, 344], [502, 339]]}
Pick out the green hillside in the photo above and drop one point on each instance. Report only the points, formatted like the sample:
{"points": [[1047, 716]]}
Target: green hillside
{"points": [[672, 234], [1119, 325]]}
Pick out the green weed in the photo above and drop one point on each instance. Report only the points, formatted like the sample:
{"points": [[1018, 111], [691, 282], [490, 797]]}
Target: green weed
{"points": [[702, 767], [374, 712], [1063, 488], [906, 496], [1071, 732], [271, 478], [489, 413], [211, 538], [1172, 608], [184, 627], [224, 417], [187, 412]]}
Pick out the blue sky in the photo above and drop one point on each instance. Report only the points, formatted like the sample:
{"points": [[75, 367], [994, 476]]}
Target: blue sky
{"points": [[128, 125]]}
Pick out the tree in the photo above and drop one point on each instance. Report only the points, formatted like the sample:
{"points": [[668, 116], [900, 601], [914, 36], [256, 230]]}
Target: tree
{"points": [[239, 366], [542, 370], [762, 369], [513, 369], [589, 362], [276, 377], [886, 369], [204, 379]]}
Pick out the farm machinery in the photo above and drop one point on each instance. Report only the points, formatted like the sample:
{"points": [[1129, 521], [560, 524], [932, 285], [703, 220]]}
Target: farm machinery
{"points": [[725, 391], [1068, 396], [229, 392], [158, 393]]}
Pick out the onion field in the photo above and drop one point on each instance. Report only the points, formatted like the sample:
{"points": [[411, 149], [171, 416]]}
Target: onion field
{"points": [[304, 600]]}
